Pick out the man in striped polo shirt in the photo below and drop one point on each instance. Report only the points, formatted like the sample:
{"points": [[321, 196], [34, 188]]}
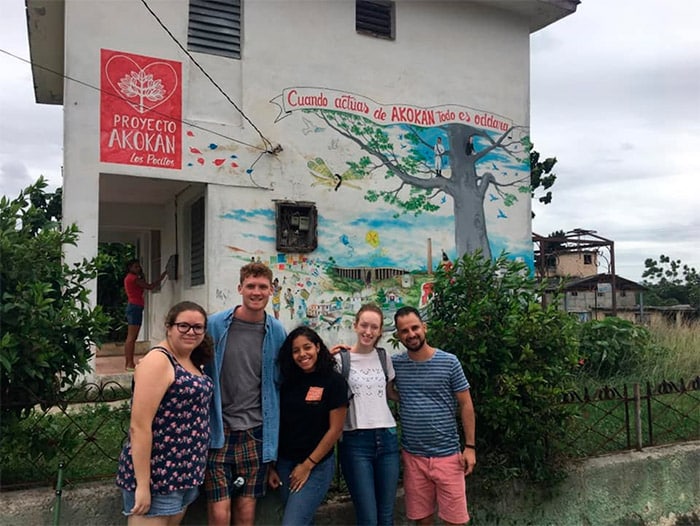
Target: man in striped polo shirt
{"points": [[430, 386]]}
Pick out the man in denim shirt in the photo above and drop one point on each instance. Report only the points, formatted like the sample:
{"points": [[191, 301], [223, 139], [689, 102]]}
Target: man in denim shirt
{"points": [[245, 407]]}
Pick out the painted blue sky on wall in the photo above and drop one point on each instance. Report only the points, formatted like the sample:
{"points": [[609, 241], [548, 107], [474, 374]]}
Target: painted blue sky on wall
{"points": [[402, 241]]}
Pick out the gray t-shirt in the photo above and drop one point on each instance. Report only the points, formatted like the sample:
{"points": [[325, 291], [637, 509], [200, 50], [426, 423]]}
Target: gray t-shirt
{"points": [[241, 374]]}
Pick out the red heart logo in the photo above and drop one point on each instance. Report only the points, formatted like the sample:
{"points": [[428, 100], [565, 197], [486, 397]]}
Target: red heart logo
{"points": [[143, 88]]}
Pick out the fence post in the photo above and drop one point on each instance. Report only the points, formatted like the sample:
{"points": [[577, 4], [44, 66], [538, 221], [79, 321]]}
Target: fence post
{"points": [[637, 417], [59, 493]]}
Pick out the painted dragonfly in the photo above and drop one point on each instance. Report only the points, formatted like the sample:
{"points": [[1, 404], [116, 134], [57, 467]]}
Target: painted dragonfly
{"points": [[325, 176]]}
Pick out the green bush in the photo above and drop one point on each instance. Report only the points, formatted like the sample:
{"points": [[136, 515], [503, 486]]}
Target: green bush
{"points": [[86, 439], [111, 296], [613, 347], [48, 323], [518, 357]]}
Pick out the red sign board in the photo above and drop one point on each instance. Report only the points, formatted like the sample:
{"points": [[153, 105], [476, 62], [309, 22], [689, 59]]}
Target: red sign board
{"points": [[140, 110]]}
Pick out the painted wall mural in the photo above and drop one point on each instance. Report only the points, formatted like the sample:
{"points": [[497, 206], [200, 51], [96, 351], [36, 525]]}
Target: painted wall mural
{"points": [[140, 110], [416, 160], [394, 183]]}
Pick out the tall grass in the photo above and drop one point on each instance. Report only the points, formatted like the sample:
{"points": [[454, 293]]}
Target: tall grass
{"points": [[678, 354]]}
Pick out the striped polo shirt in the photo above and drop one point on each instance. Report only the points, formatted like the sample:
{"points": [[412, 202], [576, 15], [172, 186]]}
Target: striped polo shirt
{"points": [[428, 403]]}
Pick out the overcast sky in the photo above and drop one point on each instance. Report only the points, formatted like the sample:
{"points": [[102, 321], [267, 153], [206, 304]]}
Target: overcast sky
{"points": [[615, 97]]}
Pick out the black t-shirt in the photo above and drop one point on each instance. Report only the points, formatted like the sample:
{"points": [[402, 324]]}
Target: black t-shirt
{"points": [[305, 407]]}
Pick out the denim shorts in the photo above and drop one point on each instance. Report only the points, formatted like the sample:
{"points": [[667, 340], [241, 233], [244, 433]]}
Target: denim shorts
{"points": [[162, 505], [134, 314]]}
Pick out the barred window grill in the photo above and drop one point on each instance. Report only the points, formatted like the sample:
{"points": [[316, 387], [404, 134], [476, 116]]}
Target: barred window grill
{"points": [[215, 27], [375, 17], [197, 242]]}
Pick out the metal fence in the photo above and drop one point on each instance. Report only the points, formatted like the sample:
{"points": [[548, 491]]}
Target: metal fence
{"points": [[82, 432], [85, 430], [633, 416]]}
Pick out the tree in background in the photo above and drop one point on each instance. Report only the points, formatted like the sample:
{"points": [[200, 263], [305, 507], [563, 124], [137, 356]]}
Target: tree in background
{"points": [[519, 358], [670, 282], [48, 325], [541, 176]]}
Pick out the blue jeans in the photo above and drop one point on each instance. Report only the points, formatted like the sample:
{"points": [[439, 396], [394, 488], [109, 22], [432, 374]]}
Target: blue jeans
{"points": [[370, 462], [300, 506]]}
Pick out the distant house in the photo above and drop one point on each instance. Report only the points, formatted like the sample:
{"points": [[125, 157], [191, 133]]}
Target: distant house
{"points": [[591, 297], [569, 263]]}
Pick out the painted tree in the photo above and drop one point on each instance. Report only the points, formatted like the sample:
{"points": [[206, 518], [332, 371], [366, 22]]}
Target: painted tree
{"points": [[408, 156]]}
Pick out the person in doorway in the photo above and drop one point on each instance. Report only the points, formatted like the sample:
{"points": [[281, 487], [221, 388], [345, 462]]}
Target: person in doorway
{"points": [[430, 386], [135, 284], [163, 460], [369, 448], [313, 405], [245, 407]]}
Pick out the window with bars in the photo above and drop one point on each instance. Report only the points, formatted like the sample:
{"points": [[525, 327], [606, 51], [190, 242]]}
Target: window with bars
{"points": [[375, 18], [215, 27], [197, 242]]}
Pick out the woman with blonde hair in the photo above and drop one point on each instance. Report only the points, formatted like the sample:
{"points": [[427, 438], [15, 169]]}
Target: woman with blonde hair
{"points": [[369, 448]]}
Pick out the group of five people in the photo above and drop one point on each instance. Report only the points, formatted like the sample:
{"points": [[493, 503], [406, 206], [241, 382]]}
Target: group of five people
{"points": [[232, 402]]}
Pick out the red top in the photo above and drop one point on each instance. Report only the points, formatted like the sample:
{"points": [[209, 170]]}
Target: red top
{"points": [[134, 293]]}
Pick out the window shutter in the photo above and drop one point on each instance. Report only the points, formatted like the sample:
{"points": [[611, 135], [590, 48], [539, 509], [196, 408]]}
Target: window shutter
{"points": [[215, 27], [375, 17], [197, 242]]}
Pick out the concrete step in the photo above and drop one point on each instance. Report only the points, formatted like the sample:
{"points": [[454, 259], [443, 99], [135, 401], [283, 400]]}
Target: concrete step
{"points": [[117, 348]]}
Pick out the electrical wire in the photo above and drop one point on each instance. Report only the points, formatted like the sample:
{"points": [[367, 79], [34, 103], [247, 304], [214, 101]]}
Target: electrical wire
{"points": [[159, 113], [194, 61]]}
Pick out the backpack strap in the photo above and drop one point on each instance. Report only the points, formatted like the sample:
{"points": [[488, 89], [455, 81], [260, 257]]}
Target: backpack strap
{"points": [[381, 351], [345, 363]]}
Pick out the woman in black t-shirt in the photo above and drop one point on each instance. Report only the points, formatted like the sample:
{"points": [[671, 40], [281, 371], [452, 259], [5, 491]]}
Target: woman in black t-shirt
{"points": [[313, 404]]}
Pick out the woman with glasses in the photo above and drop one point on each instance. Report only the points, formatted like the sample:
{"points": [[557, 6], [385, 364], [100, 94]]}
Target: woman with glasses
{"points": [[313, 403], [163, 460], [369, 449]]}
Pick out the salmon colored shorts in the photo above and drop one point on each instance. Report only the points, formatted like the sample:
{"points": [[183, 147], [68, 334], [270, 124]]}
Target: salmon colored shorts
{"points": [[431, 481]]}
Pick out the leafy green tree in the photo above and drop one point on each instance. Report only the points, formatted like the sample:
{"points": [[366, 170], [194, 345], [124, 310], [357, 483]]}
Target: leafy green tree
{"points": [[519, 358], [670, 282], [541, 176], [48, 323]]}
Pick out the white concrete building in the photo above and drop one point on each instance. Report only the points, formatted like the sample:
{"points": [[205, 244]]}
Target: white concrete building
{"points": [[330, 139]]}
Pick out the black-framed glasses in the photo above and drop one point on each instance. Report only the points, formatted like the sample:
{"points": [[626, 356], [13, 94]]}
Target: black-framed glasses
{"points": [[184, 328]]}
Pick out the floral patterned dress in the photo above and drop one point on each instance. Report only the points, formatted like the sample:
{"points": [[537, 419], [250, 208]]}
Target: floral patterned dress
{"points": [[180, 435]]}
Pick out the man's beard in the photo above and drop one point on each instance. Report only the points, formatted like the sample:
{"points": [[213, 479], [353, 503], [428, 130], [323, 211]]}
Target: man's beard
{"points": [[415, 345]]}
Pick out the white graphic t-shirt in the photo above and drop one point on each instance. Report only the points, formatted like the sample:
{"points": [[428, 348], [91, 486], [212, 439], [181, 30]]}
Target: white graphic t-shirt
{"points": [[368, 406]]}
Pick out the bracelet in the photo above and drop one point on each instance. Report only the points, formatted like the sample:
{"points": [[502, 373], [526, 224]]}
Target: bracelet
{"points": [[470, 446], [313, 461]]}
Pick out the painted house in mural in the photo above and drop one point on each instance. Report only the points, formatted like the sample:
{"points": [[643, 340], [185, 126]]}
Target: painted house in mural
{"points": [[342, 142]]}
